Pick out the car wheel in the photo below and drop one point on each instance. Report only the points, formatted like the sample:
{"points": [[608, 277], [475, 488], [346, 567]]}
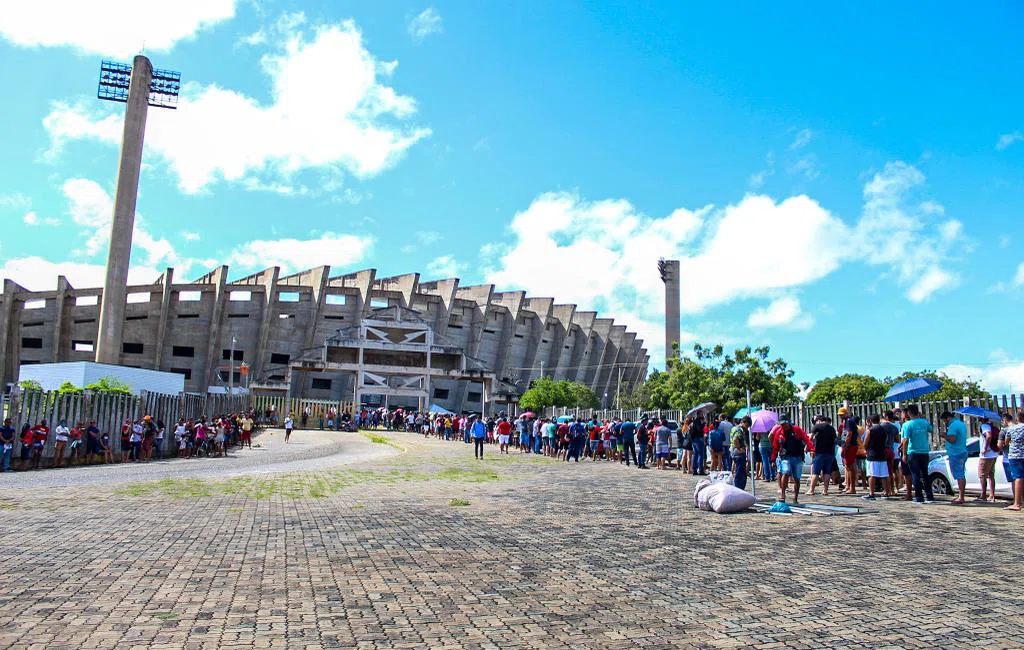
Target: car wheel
{"points": [[940, 485]]}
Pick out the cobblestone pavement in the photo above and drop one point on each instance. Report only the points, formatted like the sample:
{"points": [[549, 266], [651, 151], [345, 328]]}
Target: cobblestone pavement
{"points": [[544, 555], [307, 450]]}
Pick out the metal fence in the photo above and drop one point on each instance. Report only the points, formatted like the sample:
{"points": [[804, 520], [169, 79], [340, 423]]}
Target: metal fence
{"points": [[109, 412], [274, 408]]}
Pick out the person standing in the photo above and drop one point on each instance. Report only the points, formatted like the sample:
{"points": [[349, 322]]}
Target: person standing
{"points": [[1014, 436], [504, 433], [824, 457], [875, 446], [988, 453], [627, 431], [738, 452], [718, 439], [662, 440], [477, 430], [789, 443], [289, 424], [956, 452], [764, 450], [61, 435], [892, 436], [915, 444], [642, 437], [6, 444], [698, 449]]}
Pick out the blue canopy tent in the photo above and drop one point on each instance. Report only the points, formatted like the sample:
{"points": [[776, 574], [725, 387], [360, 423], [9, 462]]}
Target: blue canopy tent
{"points": [[434, 408]]}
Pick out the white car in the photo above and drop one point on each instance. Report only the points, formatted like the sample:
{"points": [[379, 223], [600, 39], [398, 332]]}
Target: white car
{"points": [[942, 479]]}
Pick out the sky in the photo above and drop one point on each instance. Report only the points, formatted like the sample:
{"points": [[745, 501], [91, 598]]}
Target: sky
{"points": [[843, 183]]}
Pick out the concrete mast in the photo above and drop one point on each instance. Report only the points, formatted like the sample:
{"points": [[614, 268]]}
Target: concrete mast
{"points": [[670, 276], [112, 307]]}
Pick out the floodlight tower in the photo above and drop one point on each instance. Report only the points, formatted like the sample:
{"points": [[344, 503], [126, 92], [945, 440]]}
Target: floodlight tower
{"points": [[138, 86], [669, 270]]}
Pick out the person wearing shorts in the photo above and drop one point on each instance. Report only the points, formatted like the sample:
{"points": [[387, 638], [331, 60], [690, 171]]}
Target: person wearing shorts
{"points": [[289, 424], [956, 452], [824, 463], [875, 445], [989, 446], [504, 428], [788, 445], [662, 437]]}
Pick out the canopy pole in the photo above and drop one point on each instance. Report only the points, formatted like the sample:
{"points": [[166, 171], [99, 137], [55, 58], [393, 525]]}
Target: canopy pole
{"points": [[750, 452]]}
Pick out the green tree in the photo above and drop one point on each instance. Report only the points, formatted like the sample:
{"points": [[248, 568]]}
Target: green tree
{"points": [[712, 375], [29, 384], [583, 397], [545, 392], [856, 389], [952, 389], [67, 388], [109, 386]]}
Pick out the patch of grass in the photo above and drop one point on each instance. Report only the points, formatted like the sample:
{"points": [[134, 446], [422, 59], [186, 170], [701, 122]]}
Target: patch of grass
{"points": [[458, 502], [236, 509], [8, 506], [164, 616], [473, 475], [358, 506], [298, 486], [379, 439]]}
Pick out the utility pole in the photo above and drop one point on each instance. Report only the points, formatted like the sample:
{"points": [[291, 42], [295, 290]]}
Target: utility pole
{"points": [[231, 372], [618, 386]]}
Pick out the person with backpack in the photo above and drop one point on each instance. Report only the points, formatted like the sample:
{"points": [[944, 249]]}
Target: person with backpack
{"points": [[789, 442], [738, 451], [824, 458]]}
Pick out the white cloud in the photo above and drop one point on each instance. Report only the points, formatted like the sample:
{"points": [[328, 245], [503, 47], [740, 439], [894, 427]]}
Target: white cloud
{"points": [[424, 24], [807, 166], [895, 232], [1005, 241], [999, 378], [803, 138], [109, 27], [33, 219], [757, 179], [335, 250], [421, 239], [190, 236], [1018, 278], [17, 202], [1008, 139], [91, 207], [601, 254], [445, 266], [38, 274], [329, 111], [781, 312]]}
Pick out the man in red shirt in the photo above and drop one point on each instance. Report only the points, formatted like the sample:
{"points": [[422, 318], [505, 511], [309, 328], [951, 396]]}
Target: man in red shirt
{"points": [[504, 431], [789, 443]]}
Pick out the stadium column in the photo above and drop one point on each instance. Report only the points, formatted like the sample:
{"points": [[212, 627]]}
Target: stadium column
{"points": [[112, 305], [167, 280], [61, 321], [219, 279]]}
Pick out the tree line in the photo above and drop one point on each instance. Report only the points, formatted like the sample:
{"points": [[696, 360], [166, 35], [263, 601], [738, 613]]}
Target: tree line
{"points": [[711, 374]]}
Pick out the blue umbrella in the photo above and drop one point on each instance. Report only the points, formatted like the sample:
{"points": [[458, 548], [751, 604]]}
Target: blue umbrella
{"points": [[978, 412], [747, 410], [565, 418], [912, 389]]}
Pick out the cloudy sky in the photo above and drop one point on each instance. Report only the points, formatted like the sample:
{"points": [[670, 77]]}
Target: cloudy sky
{"points": [[844, 188]]}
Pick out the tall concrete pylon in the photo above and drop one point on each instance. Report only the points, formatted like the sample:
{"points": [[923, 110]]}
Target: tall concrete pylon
{"points": [[112, 307], [669, 270]]}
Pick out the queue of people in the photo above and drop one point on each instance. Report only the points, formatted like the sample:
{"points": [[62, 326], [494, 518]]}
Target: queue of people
{"points": [[141, 441], [886, 455]]}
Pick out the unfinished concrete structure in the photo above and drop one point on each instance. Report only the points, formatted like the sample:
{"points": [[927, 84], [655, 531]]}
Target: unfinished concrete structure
{"points": [[340, 337]]}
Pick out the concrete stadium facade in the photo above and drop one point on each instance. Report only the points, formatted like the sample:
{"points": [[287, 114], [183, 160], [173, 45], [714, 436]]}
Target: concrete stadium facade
{"points": [[280, 321]]}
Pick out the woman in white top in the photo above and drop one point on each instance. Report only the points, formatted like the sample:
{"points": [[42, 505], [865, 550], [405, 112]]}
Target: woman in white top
{"points": [[61, 434]]}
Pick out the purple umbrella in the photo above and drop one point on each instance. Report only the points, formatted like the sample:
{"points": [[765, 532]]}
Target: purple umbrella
{"points": [[763, 421]]}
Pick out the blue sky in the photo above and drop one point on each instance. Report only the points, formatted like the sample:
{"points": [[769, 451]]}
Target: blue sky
{"points": [[845, 184]]}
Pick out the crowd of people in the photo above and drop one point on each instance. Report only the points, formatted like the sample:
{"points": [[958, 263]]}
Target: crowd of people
{"points": [[886, 455], [141, 441]]}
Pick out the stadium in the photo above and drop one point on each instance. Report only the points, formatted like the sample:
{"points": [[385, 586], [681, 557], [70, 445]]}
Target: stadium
{"points": [[352, 338]]}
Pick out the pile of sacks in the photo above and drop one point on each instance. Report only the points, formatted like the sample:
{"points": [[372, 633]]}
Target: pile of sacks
{"points": [[717, 493]]}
